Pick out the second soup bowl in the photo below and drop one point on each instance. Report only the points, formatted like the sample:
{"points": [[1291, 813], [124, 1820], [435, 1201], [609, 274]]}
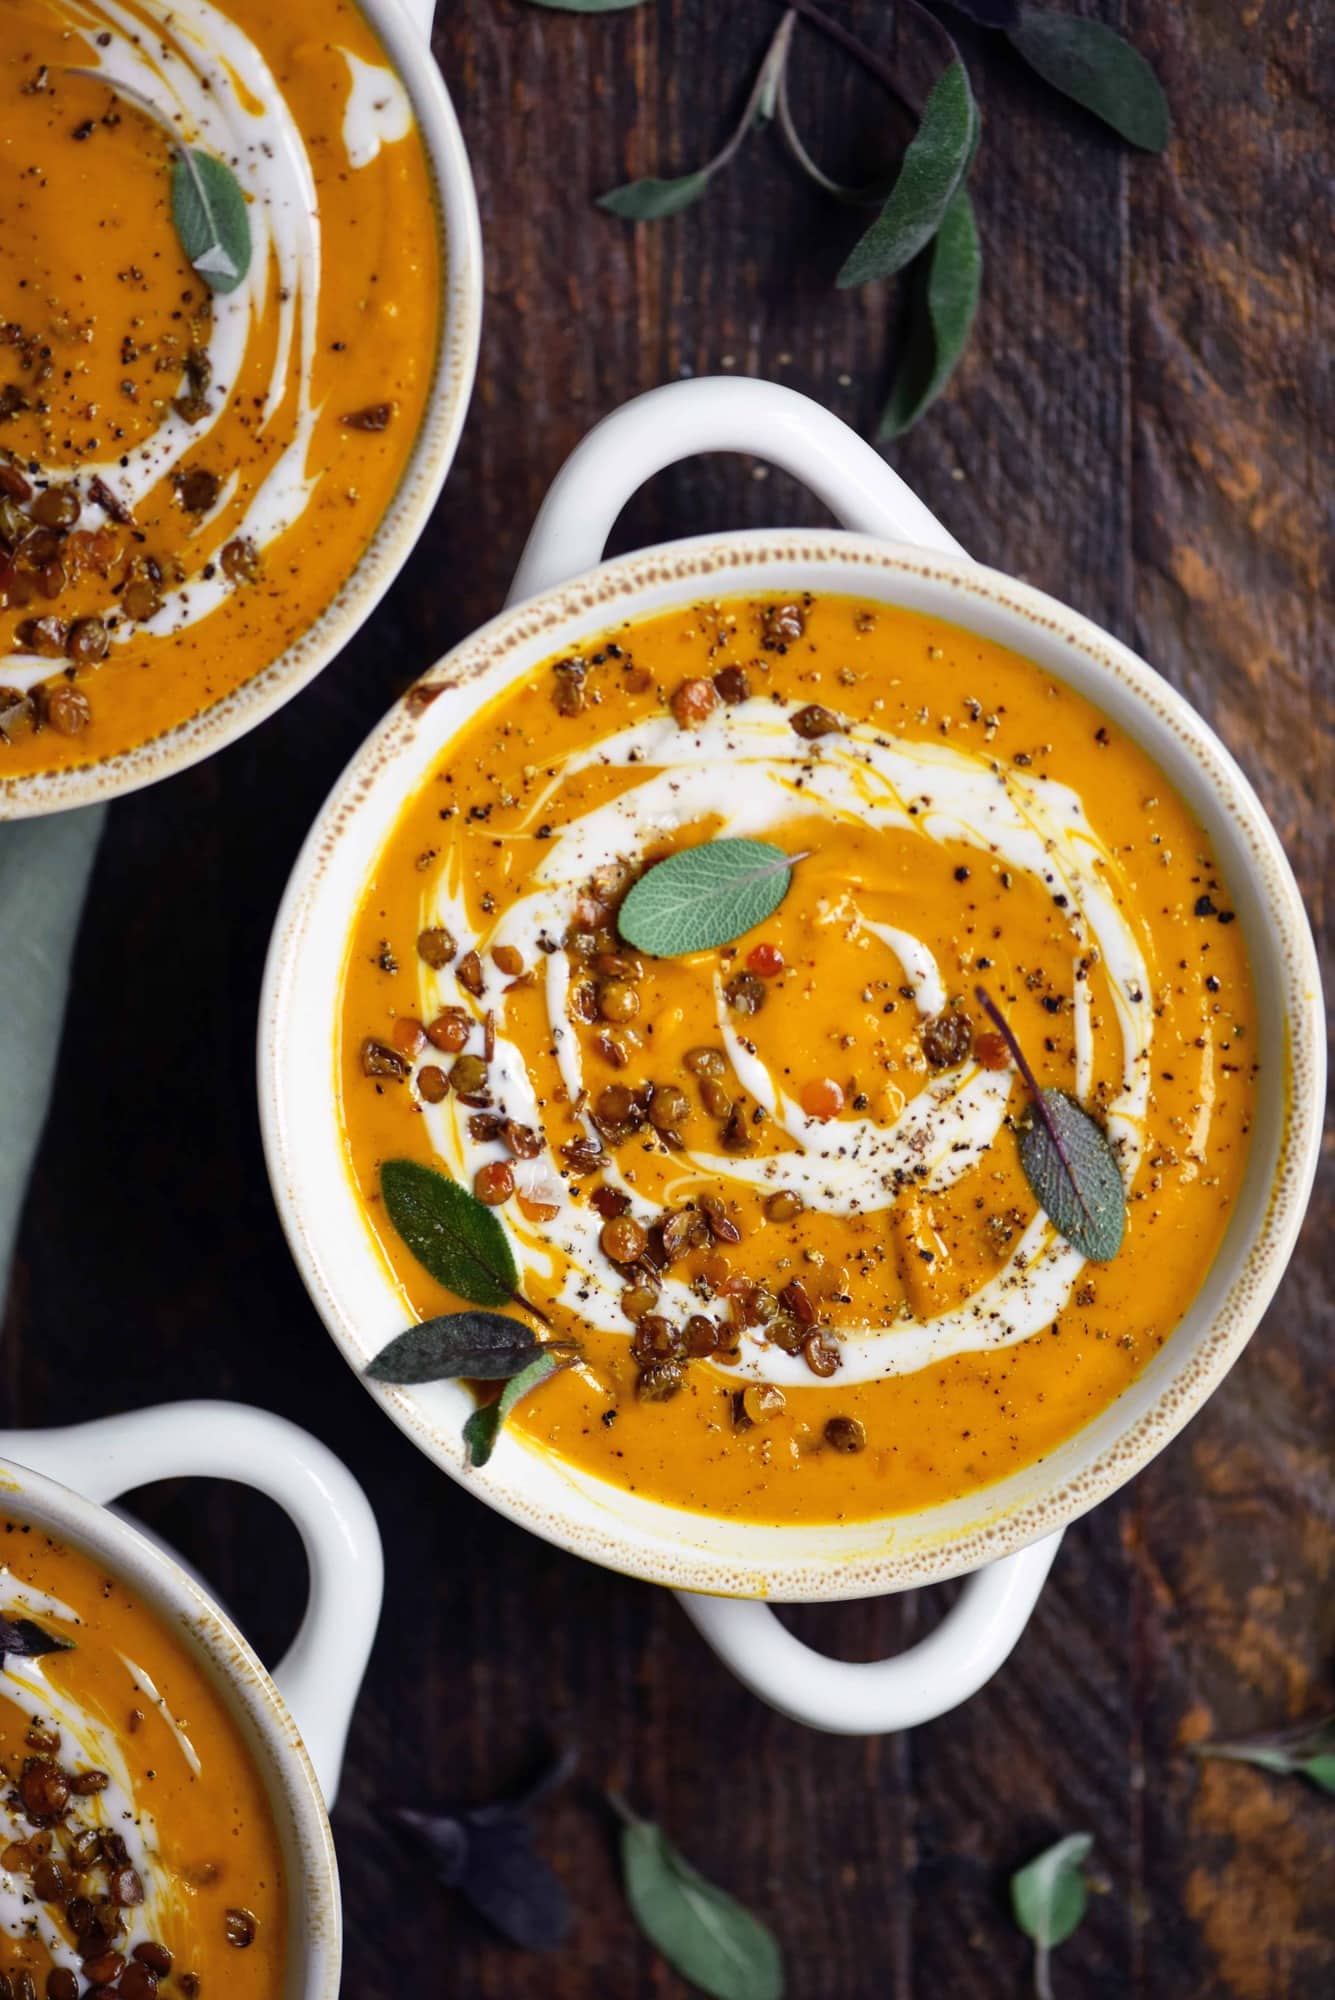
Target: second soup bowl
{"points": [[892, 551], [323, 503]]}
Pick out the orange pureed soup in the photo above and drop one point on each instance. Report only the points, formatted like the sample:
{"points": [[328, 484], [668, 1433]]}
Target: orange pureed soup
{"points": [[188, 474], [774, 1190], [138, 1847]]}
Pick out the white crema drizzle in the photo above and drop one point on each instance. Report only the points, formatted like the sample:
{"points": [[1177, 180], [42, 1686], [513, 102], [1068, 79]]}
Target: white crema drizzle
{"points": [[378, 111], [86, 1739], [747, 769], [215, 90]]}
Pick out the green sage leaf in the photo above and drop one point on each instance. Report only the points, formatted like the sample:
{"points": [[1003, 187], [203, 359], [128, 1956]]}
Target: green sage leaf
{"points": [[935, 164], [650, 200], [211, 218], [942, 318], [1074, 1174], [1306, 1752], [485, 1346], [1048, 1898], [455, 1237], [484, 1426], [702, 1931], [1094, 67], [705, 896]]}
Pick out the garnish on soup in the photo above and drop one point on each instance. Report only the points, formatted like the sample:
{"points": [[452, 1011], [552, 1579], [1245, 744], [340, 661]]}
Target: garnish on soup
{"points": [[137, 1854], [1067, 1160], [864, 1194], [219, 292], [705, 896]]}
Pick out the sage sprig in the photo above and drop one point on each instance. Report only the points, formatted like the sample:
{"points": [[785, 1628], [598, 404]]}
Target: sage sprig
{"points": [[483, 1347], [1067, 1159], [453, 1235], [1307, 1751], [701, 1930], [1048, 1899], [705, 896], [648, 200], [927, 224]]}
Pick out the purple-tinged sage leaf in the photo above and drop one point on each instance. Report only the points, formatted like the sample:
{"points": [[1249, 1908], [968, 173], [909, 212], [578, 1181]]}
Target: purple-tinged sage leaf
{"points": [[1067, 1160]]}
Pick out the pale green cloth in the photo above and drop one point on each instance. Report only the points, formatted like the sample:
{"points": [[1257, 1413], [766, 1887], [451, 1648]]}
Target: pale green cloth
{"points": [[44, 869]]}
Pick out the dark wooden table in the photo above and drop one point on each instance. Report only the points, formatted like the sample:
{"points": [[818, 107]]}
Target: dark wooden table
{"points": [[1138, 428]]}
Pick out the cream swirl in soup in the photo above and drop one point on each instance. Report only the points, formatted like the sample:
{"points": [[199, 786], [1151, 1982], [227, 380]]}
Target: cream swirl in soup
{"points": [[117, 1808], [745, 773]]}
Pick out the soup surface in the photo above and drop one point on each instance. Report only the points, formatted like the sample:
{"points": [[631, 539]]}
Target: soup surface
{"points": [[188, 475], [137, 1842], [774, 1190]]}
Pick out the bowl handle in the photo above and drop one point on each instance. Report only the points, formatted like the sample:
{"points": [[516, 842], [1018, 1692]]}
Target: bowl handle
{"points": [[714, 413], [863, 1698], [321, 1672]]}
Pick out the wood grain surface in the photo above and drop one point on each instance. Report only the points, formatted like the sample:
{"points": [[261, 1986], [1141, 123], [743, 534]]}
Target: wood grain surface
{"points": [[1142, 427]]}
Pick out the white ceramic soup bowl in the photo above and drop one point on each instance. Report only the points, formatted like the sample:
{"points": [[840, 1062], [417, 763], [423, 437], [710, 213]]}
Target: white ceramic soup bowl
{"points": [[1005, 1535], [404, 29], [293, 1722]]}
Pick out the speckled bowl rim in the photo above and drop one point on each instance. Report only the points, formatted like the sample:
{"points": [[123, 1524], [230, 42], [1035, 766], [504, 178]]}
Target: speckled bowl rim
{"points": [[314, 1939], [244, 707], [661, 1543]]}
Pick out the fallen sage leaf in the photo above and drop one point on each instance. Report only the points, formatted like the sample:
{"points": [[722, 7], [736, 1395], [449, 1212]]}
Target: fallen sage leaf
{"points": [[701, 1930], [1048, 1898], [1095, 68], [941, 318], [936, 162], [1306, 1751]]}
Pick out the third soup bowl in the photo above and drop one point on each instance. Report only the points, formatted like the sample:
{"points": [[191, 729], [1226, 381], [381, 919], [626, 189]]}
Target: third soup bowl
{"points": [[168, 1826]]}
